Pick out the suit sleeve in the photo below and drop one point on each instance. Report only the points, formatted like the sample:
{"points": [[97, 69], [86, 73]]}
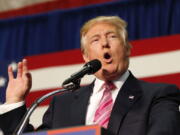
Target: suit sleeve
{"points": [[10, 120], [165, 114]]}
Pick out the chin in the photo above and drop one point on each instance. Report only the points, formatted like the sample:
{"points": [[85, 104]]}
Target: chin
{"points": [[109, 75], [113, 73]]}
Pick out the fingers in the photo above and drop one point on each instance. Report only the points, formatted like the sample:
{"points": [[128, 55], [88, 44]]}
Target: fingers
{"points": [[22, 70], [24, 65], [26, 74], [19, 70], [10, 73], [29, 79], [29, 82]]}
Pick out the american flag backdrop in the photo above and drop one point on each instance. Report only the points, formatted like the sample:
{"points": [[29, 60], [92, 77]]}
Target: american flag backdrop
{"points": [[155, 53]]}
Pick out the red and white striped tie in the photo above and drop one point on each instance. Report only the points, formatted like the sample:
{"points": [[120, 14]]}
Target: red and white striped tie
{"points": [[102, 114]]}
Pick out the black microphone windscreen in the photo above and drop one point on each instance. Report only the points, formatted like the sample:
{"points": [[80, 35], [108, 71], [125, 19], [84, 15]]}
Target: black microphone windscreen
{"points": [[95, 65]]}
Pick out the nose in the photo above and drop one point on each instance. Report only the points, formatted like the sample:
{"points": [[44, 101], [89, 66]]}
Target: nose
{"points": [[105, 43]]}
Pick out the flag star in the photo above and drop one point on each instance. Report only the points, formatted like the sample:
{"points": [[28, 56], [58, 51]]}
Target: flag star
{"points": [[2, 81], [14, 66]]}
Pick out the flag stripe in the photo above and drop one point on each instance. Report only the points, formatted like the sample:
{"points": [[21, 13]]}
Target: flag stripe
{"points": [[170, 78], [49, 6], [155, 64], [55, 59], [37, 115], [155, 45], [11, 4], [32, 96]]}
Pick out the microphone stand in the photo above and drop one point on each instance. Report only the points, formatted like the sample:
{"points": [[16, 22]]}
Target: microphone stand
{"points": [[20, 128]]}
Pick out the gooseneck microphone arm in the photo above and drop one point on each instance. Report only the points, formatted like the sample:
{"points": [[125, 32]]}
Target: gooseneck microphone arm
{"points": [[25, 119]]}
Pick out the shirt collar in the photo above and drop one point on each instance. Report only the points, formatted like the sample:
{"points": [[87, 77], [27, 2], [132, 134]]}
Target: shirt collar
{"points": [[118, 83]]}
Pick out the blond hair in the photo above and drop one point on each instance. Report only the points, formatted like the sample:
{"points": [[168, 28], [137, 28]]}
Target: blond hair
{"points": [[116, 21]]}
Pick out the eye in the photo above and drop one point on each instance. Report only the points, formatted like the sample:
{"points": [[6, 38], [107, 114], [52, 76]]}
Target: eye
{"points": [[112, 36], [95, 40]]}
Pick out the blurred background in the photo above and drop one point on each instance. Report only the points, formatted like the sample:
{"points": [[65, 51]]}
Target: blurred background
{"points": [[46, 33]]}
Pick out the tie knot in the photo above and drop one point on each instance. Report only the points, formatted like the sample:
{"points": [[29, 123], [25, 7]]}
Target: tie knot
{"points": [[108, 86]]}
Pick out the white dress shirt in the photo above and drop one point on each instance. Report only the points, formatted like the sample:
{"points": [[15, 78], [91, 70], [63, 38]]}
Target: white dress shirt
{"points": [[4, 108], [98, 92]]}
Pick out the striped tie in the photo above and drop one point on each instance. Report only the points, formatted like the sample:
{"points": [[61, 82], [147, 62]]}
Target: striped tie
{"points": [[102, 114]]}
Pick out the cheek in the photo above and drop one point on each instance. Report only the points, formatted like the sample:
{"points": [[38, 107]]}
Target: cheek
{"points": [[118, 51], [120, 56], [93, 51]]}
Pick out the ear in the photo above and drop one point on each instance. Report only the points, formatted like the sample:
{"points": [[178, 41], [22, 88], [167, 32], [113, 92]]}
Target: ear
{"points": [[85, 57], [128, 50]]}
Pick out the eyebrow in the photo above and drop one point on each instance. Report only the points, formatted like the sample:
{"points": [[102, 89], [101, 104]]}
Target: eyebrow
{"points": [[111, 32], [97, 35]]}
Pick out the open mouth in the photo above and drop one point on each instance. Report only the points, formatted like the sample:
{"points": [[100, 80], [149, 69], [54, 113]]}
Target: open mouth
{"points": [[107, 58]]}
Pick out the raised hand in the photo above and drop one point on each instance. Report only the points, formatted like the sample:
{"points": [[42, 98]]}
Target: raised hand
{"points": [[19, 86]]}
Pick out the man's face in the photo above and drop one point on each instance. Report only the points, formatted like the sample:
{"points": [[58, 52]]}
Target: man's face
{"points": [[103, 42]]}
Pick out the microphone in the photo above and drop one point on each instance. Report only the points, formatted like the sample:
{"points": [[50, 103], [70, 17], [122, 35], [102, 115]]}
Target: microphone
{"points": [[89, 68]]}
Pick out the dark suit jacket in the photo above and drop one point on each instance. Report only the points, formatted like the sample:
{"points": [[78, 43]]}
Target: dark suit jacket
{"points": [[140, 108]]}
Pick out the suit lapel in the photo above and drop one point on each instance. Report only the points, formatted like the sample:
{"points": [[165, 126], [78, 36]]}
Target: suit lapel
{"points": [[80, 104], [128, 95]]}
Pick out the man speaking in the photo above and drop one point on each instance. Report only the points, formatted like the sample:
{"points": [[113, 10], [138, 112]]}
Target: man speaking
{"points": [[115, 100]]}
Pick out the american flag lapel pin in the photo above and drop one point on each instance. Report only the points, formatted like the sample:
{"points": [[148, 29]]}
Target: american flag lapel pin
{"points": [[131, 97]]}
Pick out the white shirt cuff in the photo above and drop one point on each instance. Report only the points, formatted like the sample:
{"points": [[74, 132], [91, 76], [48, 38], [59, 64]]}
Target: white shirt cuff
{"points": [[4, 108]]}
